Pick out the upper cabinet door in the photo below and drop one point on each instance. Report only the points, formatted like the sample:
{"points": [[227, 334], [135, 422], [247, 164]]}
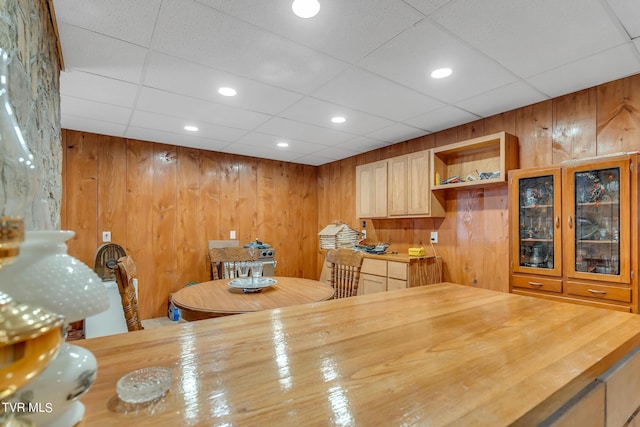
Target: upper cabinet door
{"points": [[398, 191], [419, 198], [535, 200], [597, 221], [371, 190]]}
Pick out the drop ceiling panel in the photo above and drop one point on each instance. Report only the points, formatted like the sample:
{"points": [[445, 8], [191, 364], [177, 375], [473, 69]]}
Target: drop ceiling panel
{"points": [[502, 99], [442, 118], [147, 120], [264, 140], [169, 74], [397, 132], [363, 144], [80, 107], [127, 20], [599, 68], [197, 110], [261, 152], [364, 91], [182, 140], [410, 58], [317, 112], [530, 37], [101, 55], [313, 159], [335, 153], [185, 30], [85, 124], [346, 30], [78, 84], [301, 131]]}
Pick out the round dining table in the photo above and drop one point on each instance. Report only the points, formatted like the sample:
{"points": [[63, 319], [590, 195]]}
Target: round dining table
{"points": [[217, 298]]}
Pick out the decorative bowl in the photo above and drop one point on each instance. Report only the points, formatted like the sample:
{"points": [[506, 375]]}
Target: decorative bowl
{"points": [[144, 385]]}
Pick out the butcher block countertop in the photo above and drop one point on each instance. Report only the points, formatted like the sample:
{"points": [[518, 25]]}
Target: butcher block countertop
{"points": [[432, 355]]}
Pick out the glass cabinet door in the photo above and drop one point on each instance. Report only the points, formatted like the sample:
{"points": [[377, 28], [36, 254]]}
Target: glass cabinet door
{"points": [[537, 198], [598, 223]]}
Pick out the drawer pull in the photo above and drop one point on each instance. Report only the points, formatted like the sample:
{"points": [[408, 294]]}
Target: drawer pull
{"points": [[596, 291], [536, 284]]}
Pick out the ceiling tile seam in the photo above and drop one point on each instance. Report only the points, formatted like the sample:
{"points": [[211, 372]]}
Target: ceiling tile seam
{"points": [[615, 19]]}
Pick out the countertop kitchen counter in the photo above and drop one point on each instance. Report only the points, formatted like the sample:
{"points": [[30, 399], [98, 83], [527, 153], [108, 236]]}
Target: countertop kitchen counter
{"points": [[399, 257], [432, 355]]}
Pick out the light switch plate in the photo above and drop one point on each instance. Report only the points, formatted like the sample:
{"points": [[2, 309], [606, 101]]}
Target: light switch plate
{"points": [[434, 237], [106, 236], [232, 234]]}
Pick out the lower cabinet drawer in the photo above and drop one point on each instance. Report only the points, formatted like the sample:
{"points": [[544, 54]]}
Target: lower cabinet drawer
{"points": [[397, 270], [539, 283], [613, 293], [377, 267], [396, 284]]}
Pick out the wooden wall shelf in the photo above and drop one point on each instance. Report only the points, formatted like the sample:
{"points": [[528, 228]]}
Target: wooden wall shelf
{"points": [[497, 152]]}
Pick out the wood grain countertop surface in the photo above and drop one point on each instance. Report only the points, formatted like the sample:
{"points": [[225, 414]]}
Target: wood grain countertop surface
{"points": [[432, 355]]}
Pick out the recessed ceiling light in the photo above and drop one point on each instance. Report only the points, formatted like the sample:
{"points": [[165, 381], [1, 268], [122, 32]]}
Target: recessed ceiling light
{"points": [[338, 119], [305, 8], [227, 91], [441, 73], [191, 128], [283, 144]]}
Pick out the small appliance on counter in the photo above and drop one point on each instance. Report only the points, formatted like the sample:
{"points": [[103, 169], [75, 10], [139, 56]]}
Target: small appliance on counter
{"points": [[266, 255]]}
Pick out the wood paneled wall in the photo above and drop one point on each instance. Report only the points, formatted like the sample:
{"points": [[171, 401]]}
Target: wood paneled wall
{"points": [[474, 237], [163, 203]]}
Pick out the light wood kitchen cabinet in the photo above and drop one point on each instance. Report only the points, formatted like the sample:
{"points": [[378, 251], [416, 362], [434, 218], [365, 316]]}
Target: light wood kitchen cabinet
{"points": [[406, 190], [381, 273], [574, 232], [371, 190]]}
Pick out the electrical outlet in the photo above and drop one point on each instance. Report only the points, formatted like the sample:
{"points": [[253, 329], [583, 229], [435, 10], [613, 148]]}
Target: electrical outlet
{"points": [[434, 237], [364, 234], [232, 234], [106, 236]]}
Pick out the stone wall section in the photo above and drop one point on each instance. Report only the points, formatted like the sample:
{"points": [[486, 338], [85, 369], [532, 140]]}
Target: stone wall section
{"points": [[27, 34]]}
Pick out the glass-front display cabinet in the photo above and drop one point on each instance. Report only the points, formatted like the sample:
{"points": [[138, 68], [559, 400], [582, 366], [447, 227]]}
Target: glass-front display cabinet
{"points": [[574, 232], [598, 207], [537, 231]]}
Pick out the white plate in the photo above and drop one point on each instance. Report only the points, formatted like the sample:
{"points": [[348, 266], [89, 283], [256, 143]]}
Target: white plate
{"points": [[255, 285]]}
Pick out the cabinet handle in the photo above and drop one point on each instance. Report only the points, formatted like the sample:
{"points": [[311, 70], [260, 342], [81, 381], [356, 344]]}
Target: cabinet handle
{"points": [[570, 221], [557, 222], [535, 284], [596, 291]]}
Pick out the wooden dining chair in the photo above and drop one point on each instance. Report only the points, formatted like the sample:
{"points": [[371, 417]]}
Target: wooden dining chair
{"points": [[223, 261], [345, 271], [126, 271]]}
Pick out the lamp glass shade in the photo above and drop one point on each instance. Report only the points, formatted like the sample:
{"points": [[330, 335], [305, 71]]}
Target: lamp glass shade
{"points": [[46, 276]]}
